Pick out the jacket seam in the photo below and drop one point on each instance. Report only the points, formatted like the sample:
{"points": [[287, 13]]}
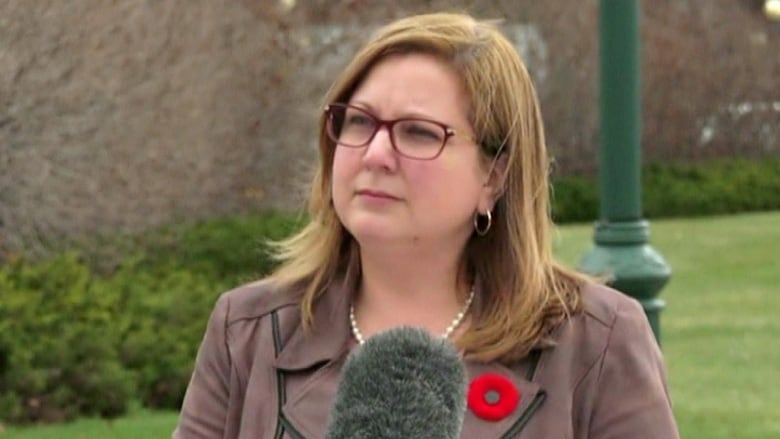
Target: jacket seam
{"points": [[601, 361], [607, 345], [280, 384], [591, 315], [227, 382], [226, 331], [260, 316]]}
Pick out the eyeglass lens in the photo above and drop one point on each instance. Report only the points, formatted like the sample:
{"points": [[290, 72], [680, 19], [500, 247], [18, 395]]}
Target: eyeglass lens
{"points": [[354, 127]]}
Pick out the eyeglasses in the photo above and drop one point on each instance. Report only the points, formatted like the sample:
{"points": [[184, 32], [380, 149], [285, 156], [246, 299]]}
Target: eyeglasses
{"points": [[415, 138]]}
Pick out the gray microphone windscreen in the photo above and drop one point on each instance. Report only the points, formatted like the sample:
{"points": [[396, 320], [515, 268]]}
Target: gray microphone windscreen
{"points": [[400, 384]]}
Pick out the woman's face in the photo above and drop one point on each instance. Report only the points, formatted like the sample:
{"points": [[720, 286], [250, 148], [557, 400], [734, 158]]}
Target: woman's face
{"points": [[383, 197]]}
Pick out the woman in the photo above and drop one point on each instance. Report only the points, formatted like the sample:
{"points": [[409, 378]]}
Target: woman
{"points": [[430, 209]]}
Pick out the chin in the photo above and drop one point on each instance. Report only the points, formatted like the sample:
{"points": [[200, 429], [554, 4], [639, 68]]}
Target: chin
{"points": [[366, 228]]}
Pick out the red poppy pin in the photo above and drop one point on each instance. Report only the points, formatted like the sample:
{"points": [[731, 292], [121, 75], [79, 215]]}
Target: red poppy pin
{"points": [[492, 397]]}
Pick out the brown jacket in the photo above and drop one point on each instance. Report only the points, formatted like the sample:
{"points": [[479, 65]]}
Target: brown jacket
{"points": [[257, 374]]}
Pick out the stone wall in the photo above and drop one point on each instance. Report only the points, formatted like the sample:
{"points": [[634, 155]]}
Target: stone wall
{"points": [[119, 116]]}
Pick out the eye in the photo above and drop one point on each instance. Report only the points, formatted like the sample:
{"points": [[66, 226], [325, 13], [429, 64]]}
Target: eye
{"points": [[356, 118], [422, 131]]}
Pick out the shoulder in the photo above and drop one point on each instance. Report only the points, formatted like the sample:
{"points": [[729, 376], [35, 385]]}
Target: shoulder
{"points": [[604, 305], [241, 326], [580, 343], [620, 387], [253, 301], [605, 312], [602, 308]]}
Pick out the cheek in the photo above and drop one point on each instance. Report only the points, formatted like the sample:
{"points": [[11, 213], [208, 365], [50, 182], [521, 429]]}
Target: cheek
{"points": [[464, 173], [346, 160], [447, 186], [342, 171]]}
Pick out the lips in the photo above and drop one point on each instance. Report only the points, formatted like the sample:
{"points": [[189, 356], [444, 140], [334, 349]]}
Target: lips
{"points": [[377, 194]]}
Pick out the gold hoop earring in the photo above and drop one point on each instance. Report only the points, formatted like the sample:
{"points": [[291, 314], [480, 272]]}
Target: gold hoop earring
{"points": [[482, 231]]}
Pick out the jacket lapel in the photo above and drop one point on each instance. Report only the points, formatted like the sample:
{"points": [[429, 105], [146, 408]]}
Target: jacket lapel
{"points": [[311, 363]]}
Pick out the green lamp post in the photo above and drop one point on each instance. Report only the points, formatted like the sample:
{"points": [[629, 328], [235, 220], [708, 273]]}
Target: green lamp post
{"points": [[621, 251]]}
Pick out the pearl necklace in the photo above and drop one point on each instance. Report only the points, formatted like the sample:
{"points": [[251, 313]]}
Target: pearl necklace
{"points": [[454, 325]]}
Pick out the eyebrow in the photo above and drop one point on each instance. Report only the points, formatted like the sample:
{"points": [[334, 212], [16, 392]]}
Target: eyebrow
{"points": [[412, 115]]}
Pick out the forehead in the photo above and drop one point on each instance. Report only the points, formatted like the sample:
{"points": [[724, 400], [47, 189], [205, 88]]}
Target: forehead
{"points": [[415, 83]]}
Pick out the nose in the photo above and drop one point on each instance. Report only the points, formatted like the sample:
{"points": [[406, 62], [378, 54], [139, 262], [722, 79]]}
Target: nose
{"points": [[379, 153]]}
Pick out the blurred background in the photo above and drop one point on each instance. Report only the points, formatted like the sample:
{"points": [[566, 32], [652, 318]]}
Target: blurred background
{"points": [[121, 116], [147, 149]]}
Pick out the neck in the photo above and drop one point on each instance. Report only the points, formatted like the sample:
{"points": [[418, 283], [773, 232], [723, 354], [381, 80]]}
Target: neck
{"points": [[414, 288]]}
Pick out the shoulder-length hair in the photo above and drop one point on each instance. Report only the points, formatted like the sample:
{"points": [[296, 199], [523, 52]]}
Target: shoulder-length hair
{"points": [[524, 292]]}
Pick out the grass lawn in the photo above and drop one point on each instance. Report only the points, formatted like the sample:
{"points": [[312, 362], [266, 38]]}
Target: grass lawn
{"points": [[720, 331], [141, 424], [722, 322]]}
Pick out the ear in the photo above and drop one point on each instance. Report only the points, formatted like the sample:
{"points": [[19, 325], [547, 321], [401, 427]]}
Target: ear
{"points": [[494, 185]]}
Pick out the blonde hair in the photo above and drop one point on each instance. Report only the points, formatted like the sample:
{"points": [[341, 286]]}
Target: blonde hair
{"points": [[524, 291]]}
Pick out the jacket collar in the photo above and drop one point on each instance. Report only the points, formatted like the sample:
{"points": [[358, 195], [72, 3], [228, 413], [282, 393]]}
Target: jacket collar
{"points": [[330, 337]]}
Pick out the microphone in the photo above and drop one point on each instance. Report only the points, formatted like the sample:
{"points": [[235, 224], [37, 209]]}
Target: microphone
{"points": [[400, 384]]}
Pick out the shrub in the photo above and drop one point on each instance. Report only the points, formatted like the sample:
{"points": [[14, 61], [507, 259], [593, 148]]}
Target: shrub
{"points": [[74, 342], [670, 190], [161, 324], [57, 344], [574, 199], [232, 249], [168, 294], [714, 188]]}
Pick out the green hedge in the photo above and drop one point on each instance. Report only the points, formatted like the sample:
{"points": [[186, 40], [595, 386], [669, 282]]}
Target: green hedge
{"points": [[76, 339], [231, 248], [726, 186], [673, 190], [74, 343], [58, 341], [162, 315]]}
